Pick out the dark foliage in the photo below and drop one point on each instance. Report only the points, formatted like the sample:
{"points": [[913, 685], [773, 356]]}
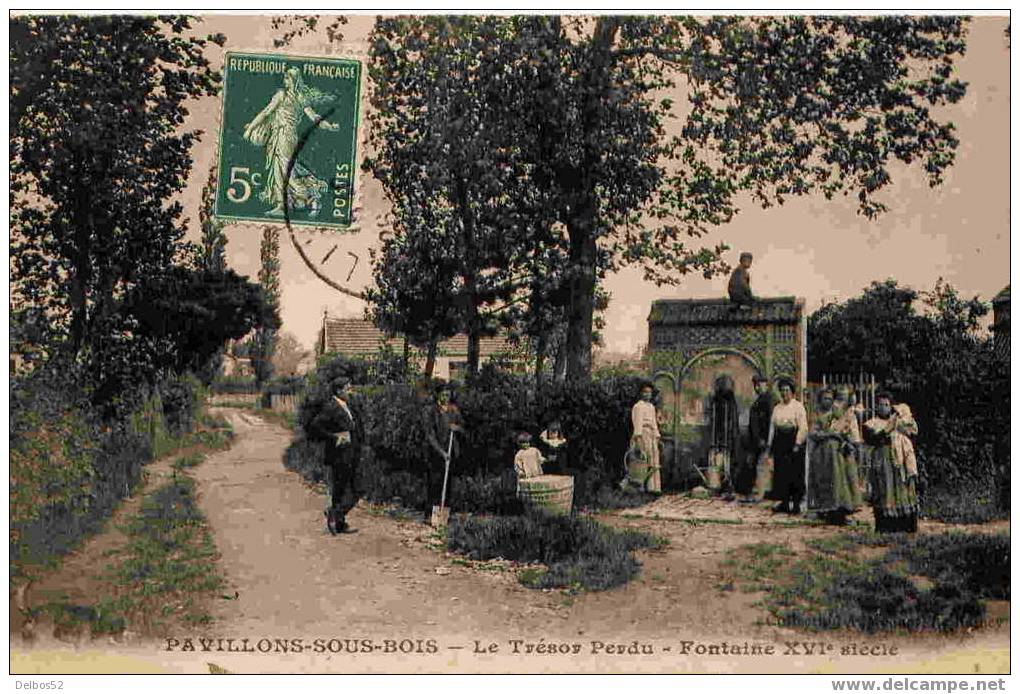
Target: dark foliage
{"points": [[579, 552], [840, 590], [965, 502], [979, 562], [180, 405], [97, 153], [188, 315], [776, 107], [495, 406], [880, 600], [937, 361], [234, 385], [71, 466]]}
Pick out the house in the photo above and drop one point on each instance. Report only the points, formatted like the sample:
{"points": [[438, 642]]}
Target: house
{"points": [[357, 337]]}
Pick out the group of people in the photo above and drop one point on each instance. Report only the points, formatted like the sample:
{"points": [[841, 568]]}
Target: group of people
{"points": [[340, 429], [781, 434], [781, 438]]}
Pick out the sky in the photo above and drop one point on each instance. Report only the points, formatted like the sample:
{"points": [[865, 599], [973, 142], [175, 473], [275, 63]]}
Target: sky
{"points": [[809, 247]]}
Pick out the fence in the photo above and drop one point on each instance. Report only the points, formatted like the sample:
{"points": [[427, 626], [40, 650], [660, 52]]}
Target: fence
{"points": [[862, 390], [284, 402], [862, 387]]}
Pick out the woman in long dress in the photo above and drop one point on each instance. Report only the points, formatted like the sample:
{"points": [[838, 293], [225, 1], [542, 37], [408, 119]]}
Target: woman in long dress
{"points": [[893, 466], [276, 129], [833, 487], [787, 433]]}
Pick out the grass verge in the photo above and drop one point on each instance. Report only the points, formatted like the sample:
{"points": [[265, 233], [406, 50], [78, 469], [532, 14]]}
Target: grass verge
{"points": [[163, 572], [876, 583]]}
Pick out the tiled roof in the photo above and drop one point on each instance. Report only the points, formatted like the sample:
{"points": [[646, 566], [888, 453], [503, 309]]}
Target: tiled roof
{"points": [[356, 336], [783, 309]]}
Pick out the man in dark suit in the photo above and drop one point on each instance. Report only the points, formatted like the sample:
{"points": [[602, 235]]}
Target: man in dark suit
{"points": [[340, 430]]}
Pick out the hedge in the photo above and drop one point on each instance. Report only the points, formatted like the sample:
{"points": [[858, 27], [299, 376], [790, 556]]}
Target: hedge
{"points": [[495, 406]]}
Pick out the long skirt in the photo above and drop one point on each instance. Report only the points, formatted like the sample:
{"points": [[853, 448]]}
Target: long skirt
{"points": [[833, 485], [788, 478], [893, 494]]}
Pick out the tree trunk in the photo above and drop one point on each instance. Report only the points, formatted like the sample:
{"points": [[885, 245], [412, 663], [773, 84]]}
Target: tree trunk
{"points": [[581, 312], [581, 226], [474, 355], [430, 359]]}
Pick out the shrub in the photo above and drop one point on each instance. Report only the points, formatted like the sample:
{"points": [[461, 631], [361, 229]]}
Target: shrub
{"points": [[577, 551], [979, 562], [965, 502], [834, 587], [880, 600], [305, 458], [181, 402], [495, 406], [481, 493]]}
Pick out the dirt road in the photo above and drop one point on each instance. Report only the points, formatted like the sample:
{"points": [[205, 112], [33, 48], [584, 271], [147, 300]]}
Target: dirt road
{"points": [[402, 605]]}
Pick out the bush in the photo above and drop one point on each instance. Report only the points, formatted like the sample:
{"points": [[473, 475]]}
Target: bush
{"points": [[965, 502], [181, 402], [835, 587], [495, 406], [579, 552], [481, 493], [880, 600], [979, 562], [305, 458], [51, 519]]}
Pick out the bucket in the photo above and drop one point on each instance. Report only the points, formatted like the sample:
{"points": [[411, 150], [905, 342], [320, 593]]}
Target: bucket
{"points": [[718, 464], [440, 516], [639, 468], [553, 493]]}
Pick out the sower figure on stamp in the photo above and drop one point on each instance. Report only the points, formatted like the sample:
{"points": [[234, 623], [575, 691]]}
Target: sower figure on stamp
{"points": [[440, 422], [339, 429]]}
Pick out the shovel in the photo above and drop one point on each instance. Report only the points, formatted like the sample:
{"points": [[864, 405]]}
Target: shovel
{"points": [[441, 514]]}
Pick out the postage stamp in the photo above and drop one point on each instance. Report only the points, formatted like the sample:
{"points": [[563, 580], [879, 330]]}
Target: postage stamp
{"points": [[288, 139], [491, 344]]}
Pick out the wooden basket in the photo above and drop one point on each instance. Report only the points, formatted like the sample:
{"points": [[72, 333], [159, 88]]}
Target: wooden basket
{"points": [[553, 493]]}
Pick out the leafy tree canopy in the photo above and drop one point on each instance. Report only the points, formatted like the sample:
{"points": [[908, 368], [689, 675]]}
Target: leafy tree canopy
{"points": [[775, 106], [97, 153]]}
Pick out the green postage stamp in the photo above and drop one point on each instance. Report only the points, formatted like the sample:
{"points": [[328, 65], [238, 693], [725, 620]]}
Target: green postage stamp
{"points": [[288, 139]]}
